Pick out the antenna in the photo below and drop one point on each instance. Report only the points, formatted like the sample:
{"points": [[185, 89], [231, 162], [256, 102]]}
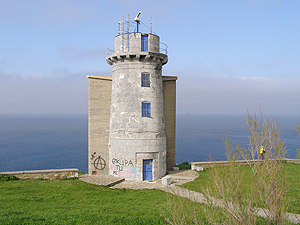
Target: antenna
{"points": [[151, 26], [128, 32], [121, 26], [137, 20], [127, 23]]}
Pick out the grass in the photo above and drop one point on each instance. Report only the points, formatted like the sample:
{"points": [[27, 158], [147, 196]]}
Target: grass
{"points": [[184, 211], [184, 166], [292, 175], [72, 201]]}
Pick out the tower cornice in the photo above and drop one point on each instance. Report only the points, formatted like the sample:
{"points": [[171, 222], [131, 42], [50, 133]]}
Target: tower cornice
{"points": [[137, 56]]}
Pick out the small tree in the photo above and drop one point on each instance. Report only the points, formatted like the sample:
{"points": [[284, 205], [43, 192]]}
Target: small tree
{"points": [[270, 183]]}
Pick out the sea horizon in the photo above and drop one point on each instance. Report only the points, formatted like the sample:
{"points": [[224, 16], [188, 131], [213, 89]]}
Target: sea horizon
{"points": [[57, 141]]}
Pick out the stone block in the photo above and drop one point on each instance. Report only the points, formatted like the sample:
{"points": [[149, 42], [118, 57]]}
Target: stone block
{"points": [[166, 180], [199, 168], [175, 168]]}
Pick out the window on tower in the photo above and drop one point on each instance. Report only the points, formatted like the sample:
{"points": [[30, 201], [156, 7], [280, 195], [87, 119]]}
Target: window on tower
{"points": [[146, 109], [145, 80]]}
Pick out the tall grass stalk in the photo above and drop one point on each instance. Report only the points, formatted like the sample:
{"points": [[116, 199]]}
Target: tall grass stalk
{"points": [[230, 200], [269, 178]]}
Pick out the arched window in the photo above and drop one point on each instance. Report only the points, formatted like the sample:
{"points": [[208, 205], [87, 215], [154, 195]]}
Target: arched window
{"points": [[146, 109], [145, 80]]}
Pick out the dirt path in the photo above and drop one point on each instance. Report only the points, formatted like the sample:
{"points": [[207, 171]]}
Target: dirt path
{"points": [[178, 178]]}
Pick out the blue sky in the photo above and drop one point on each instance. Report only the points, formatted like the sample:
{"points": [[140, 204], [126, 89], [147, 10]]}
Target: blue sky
{"points": [[229, 56]]}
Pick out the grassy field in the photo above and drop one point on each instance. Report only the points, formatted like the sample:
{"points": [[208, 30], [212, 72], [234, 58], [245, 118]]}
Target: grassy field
{"points": [[72, 201], [292, 175]]}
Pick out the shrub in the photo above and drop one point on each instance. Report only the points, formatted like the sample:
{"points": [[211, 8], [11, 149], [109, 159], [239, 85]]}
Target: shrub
{"points": [[184, 166], [7, 177], [230, 198]]}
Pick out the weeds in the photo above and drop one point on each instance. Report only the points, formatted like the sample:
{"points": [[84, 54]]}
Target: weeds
{"points": [[298, 130], [228, 197]]}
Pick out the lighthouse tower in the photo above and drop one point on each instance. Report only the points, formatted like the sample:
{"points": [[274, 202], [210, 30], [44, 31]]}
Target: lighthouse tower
{"points": [[137, 140], [132, 114]]}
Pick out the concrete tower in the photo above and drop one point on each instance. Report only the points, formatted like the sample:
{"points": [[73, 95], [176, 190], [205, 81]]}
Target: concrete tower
{"points": [[137, 140]]}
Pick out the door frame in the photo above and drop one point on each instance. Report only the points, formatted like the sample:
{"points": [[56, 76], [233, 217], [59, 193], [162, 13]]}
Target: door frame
{"points": [[144, 172]]}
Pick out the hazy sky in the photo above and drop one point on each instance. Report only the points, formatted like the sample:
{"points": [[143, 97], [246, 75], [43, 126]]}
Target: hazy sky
{"points": [[229, 55]]}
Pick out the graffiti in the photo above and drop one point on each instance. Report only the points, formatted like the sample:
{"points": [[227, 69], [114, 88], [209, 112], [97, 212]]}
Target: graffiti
{"points": [[119, 168], [99, 163], [93, 155], [119, 165], [122, 162]]}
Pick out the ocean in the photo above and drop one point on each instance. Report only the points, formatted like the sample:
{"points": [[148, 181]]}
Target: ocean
{"points": [[37, 142], [200, 137]]}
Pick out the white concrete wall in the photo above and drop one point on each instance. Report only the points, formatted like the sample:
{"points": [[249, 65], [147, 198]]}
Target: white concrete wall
{"points": [[133, 138], [99, 123], [121, 43]]}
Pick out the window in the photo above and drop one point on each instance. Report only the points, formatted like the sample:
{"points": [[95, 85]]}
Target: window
{"points": [[144, 43], [146, 109], [145, 80]]}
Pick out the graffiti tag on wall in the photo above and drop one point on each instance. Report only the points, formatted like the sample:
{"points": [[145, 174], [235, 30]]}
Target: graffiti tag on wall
{"points": [[120, 164], [99, 163]]}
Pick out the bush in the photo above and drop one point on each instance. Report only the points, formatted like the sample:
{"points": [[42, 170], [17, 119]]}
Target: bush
{"points": [[235, 201], [184, 166], [7, 177]]}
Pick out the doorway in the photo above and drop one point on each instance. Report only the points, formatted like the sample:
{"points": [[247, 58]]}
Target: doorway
{"points": [[144, 43], [147, 169]]}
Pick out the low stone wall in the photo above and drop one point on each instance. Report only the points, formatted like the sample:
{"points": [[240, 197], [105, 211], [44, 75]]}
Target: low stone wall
{"points": [[204, 165], [44, 174]]}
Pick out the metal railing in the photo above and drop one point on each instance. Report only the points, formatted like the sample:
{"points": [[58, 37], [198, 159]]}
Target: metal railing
{"points": [[110, 49], [163, 48]]}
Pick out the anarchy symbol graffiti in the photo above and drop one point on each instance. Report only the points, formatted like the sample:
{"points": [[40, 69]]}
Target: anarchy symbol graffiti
{"points": [[99, 163]]}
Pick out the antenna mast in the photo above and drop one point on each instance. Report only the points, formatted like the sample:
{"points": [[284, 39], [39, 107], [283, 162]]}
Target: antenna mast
{"points": [[128, 32], [151, 25], [137, 20]]}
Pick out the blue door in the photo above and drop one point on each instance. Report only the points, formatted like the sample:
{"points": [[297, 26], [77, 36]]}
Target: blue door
{"points": [[144, 43], [147, 169]]}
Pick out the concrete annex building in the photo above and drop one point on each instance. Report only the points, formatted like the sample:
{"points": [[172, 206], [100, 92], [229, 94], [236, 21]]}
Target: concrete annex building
{"points": [[132, 113]]}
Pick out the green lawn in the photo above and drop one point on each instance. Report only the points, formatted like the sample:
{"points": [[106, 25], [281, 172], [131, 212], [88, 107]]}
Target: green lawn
{"points": [[72, 201], [292, 175]]}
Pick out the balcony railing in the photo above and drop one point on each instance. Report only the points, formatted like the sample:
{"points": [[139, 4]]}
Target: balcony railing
{"points": [[128, 47]]}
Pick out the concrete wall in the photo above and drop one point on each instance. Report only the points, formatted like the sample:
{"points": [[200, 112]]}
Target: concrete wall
{"points": [[44, 174], [98, 120], [132, 42], [169, 86], [127, 97], [130, 132], [209, 164], [99, 116]]}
